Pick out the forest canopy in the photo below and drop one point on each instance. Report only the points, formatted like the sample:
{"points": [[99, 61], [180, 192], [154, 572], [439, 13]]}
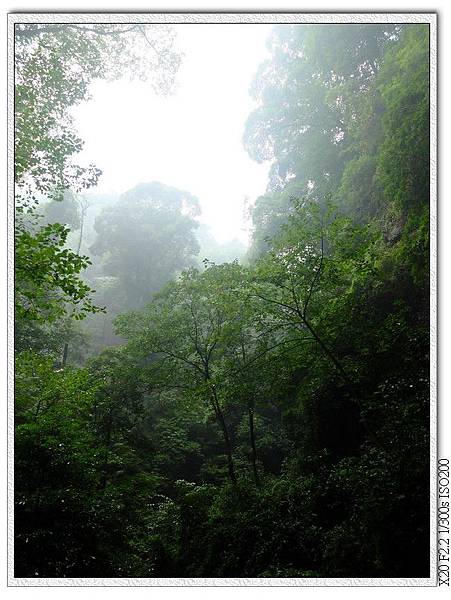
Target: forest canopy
{"points": [[185, 408]]}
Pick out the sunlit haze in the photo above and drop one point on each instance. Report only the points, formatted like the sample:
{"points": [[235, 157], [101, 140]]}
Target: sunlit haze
{"points": [[191, 140]]}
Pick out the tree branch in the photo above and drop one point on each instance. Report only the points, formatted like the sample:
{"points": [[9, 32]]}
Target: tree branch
{"points": [[315, 278]]}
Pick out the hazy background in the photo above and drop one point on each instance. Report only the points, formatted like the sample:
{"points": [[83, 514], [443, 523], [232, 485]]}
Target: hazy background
{"points": [[191, 140]]}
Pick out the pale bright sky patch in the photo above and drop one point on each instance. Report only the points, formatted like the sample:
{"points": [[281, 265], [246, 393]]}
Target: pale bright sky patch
{"points": [[191, 140]]}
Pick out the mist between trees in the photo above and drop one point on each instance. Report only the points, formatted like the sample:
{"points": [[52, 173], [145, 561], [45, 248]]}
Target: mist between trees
{"points": [[186, 408]]}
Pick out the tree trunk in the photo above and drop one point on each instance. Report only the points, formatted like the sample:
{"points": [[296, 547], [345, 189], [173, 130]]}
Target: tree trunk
{"points": [[225, 432], [80, 238], [254, 449], [65, 351], [104, 478]]}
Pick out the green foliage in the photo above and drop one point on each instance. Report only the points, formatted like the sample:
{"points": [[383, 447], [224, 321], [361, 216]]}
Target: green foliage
{"points": [[404, 87], [46, 275], [269, 420], [146, 238], [54, 66], [307, 95]]}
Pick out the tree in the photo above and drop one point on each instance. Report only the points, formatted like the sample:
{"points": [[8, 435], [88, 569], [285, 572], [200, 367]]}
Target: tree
{"points": [[84, 503], [63, 210], [266, 420], [55, 64], [309, 95], [187, 326], [46, 276], [146, 238]]}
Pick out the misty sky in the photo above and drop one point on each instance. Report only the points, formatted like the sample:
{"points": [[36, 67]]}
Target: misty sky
{"points": [[191, 140]]}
